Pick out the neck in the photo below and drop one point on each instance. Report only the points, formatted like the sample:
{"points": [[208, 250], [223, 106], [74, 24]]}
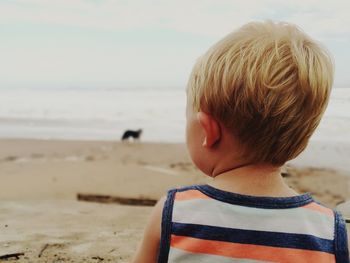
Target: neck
{"points": [[253, 179]]}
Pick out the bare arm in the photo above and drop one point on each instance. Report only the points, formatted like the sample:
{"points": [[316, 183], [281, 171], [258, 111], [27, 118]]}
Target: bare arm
{"points": [[149, 246]]}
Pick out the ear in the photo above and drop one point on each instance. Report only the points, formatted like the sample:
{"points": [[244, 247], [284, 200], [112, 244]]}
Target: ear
{"points": [[211, 129]]}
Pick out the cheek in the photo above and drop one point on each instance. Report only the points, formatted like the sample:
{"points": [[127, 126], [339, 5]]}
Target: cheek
{"points": [[190, 142], [200, 159], [196, 151], [190, 137]]}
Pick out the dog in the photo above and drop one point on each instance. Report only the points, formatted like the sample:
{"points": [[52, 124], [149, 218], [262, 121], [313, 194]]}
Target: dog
{"points": [[136, 135]]}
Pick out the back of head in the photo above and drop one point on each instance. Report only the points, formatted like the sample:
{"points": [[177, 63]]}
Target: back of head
{"points": [[269, 83]]}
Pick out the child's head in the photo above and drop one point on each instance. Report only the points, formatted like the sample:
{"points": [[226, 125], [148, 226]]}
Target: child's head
{"points": [[267, 84]]}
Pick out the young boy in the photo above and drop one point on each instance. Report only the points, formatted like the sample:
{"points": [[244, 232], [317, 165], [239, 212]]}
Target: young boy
{"points": [[253, 101]]}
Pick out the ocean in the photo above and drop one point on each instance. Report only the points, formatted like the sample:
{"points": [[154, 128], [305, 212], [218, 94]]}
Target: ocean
{"points": [[92, 114], [105, 113]]}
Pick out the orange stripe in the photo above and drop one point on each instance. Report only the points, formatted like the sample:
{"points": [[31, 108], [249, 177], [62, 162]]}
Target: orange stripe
{"points": [[316, 207], [190, 194], [247, 251]]}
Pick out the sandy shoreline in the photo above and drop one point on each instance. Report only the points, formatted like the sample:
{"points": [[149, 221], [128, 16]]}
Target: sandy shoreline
{"points": [[41, 178]]}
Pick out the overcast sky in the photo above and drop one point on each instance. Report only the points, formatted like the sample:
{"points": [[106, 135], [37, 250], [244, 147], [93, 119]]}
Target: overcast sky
{"points": [[105, 43]]}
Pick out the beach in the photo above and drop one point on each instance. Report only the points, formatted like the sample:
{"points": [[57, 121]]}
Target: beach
{"points": [[78, 76], [42, 219]]}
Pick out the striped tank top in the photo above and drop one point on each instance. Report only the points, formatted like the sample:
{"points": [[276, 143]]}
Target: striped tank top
{"points": [[203, 224]]}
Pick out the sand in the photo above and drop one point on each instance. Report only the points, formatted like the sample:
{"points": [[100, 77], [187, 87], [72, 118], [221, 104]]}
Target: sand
{"points": [[41, 217]]}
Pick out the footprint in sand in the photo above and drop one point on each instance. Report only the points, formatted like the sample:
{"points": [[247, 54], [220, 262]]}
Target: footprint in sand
{"points": [[10, 158], [182, 166]]}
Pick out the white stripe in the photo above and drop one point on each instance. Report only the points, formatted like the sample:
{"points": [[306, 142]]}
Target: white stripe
{"points": [[179, 255], [216, 213]]}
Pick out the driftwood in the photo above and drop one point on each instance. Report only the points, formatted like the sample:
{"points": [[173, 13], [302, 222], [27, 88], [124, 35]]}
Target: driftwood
{"points": [[12, 255], [116, 199], [285, 174], [98, 258], [42, 250]]}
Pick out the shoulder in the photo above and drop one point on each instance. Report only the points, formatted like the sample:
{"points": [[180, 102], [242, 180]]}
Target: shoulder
{"points": [[148, 248], [176, 194], [183, 194], [186, 188]]}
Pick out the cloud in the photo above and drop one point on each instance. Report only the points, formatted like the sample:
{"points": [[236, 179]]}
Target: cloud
{"points": [[207, 17], [139, 37]]}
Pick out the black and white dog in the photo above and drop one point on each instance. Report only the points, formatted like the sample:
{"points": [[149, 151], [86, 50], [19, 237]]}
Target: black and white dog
{"points": [[132, 134]]}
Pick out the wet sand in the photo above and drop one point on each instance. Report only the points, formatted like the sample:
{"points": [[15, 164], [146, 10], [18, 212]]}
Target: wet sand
{"points": [[40, 179]]}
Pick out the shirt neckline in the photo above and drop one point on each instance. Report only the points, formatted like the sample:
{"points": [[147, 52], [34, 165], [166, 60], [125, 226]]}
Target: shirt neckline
{"points": [[255, 201]]}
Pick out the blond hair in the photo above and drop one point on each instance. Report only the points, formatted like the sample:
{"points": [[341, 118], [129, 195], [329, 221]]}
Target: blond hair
{"points": [[269, 83]]}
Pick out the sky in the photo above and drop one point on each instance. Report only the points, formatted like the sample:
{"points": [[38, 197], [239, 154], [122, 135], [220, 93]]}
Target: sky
{"points": [[144, 43]]}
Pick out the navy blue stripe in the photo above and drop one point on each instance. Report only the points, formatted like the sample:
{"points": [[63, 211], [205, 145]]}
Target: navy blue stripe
{"points": [[265, 238], [341, 240], [254, 201], [167, 215]]}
